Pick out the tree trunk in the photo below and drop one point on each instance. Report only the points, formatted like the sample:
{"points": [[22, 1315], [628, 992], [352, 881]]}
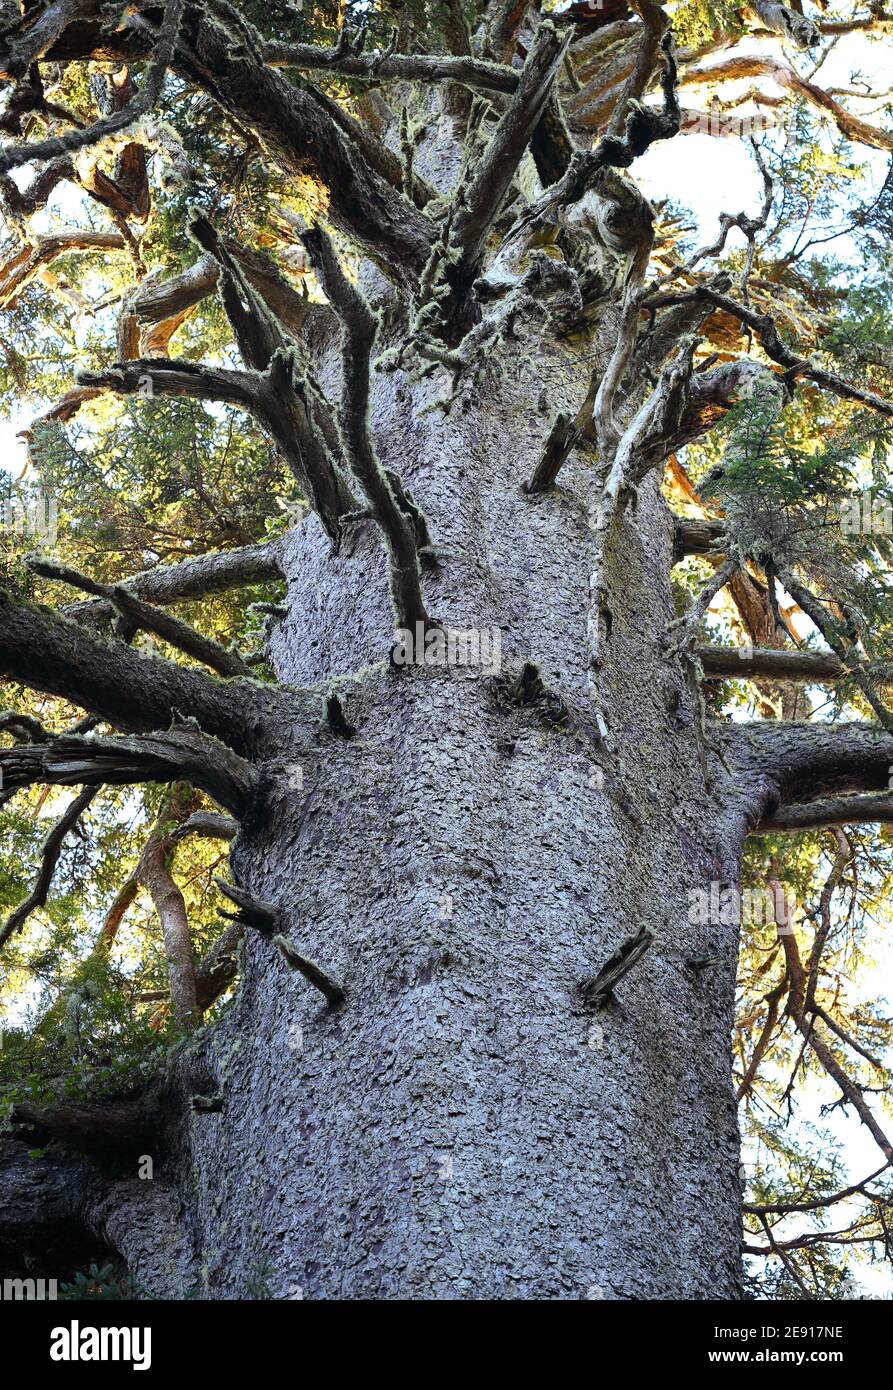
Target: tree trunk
{"points": [[467, 1123], [480, 1043], [464, 1125]]}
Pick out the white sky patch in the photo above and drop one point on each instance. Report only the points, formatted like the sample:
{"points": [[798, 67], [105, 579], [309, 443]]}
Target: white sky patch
{"points": [[710, 175]]}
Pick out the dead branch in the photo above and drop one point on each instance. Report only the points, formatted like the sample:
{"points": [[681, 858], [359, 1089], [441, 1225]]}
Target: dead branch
{"points": [[749, 663], [794, 818], [138, 615], [218, 967], [318, 977], [787, 22], [159, 306], [73, 140], [281, 399], [477, 73], [253, 912], [40, 251], [764, 327], [642, 127], [123, 1127], [211, 573], [358, 335], [49, 858], [207, 825], [23, 727], [600, 988], [269, 921], [696, 536], [130, 690], [182, 754], [481, 201]]}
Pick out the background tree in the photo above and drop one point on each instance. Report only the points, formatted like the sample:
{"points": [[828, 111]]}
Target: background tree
{"points": [[338, 320]]}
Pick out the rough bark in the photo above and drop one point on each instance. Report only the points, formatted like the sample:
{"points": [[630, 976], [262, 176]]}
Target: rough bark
{"points": [[129, 689], [506, 1095], [464, 1125]]}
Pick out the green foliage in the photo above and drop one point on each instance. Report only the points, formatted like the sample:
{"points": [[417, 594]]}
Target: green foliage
{"points": [[257, 1282], [695, 21], [100, 1284], [781, 473], [785, 1161], [91, 1045]]}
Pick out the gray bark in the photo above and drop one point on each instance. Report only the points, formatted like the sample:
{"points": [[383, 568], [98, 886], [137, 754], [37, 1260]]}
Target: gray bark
{"points": [[466, 1123], [519, 1084], [573, 1167], [463, 1125]]}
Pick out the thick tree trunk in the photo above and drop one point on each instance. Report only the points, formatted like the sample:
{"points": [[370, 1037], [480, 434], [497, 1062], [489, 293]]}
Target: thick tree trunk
{"points": [[467, 857], [464, 1125]]}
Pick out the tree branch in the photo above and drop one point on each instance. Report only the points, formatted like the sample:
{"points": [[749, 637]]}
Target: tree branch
{"points": [[184, 753], [787, 22], [282, 399], [159, 306], [218, 967], [124, 1127], [642, 127], [139, 615], [27, 43], [358, 335], [294, 124], [600, 988], [142, 103], [477, 73], [207, 825], [169, 904], [130, 690], [194, 577], [267, 919], [773, 345], [35, 255], [222, 54], [841, 641], [171, 377], [480, 202], [793, 818], [50, 852], [748, 663], [746, 65], [800, 762], [696, 536], [23, 727], [787, 1208]]}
